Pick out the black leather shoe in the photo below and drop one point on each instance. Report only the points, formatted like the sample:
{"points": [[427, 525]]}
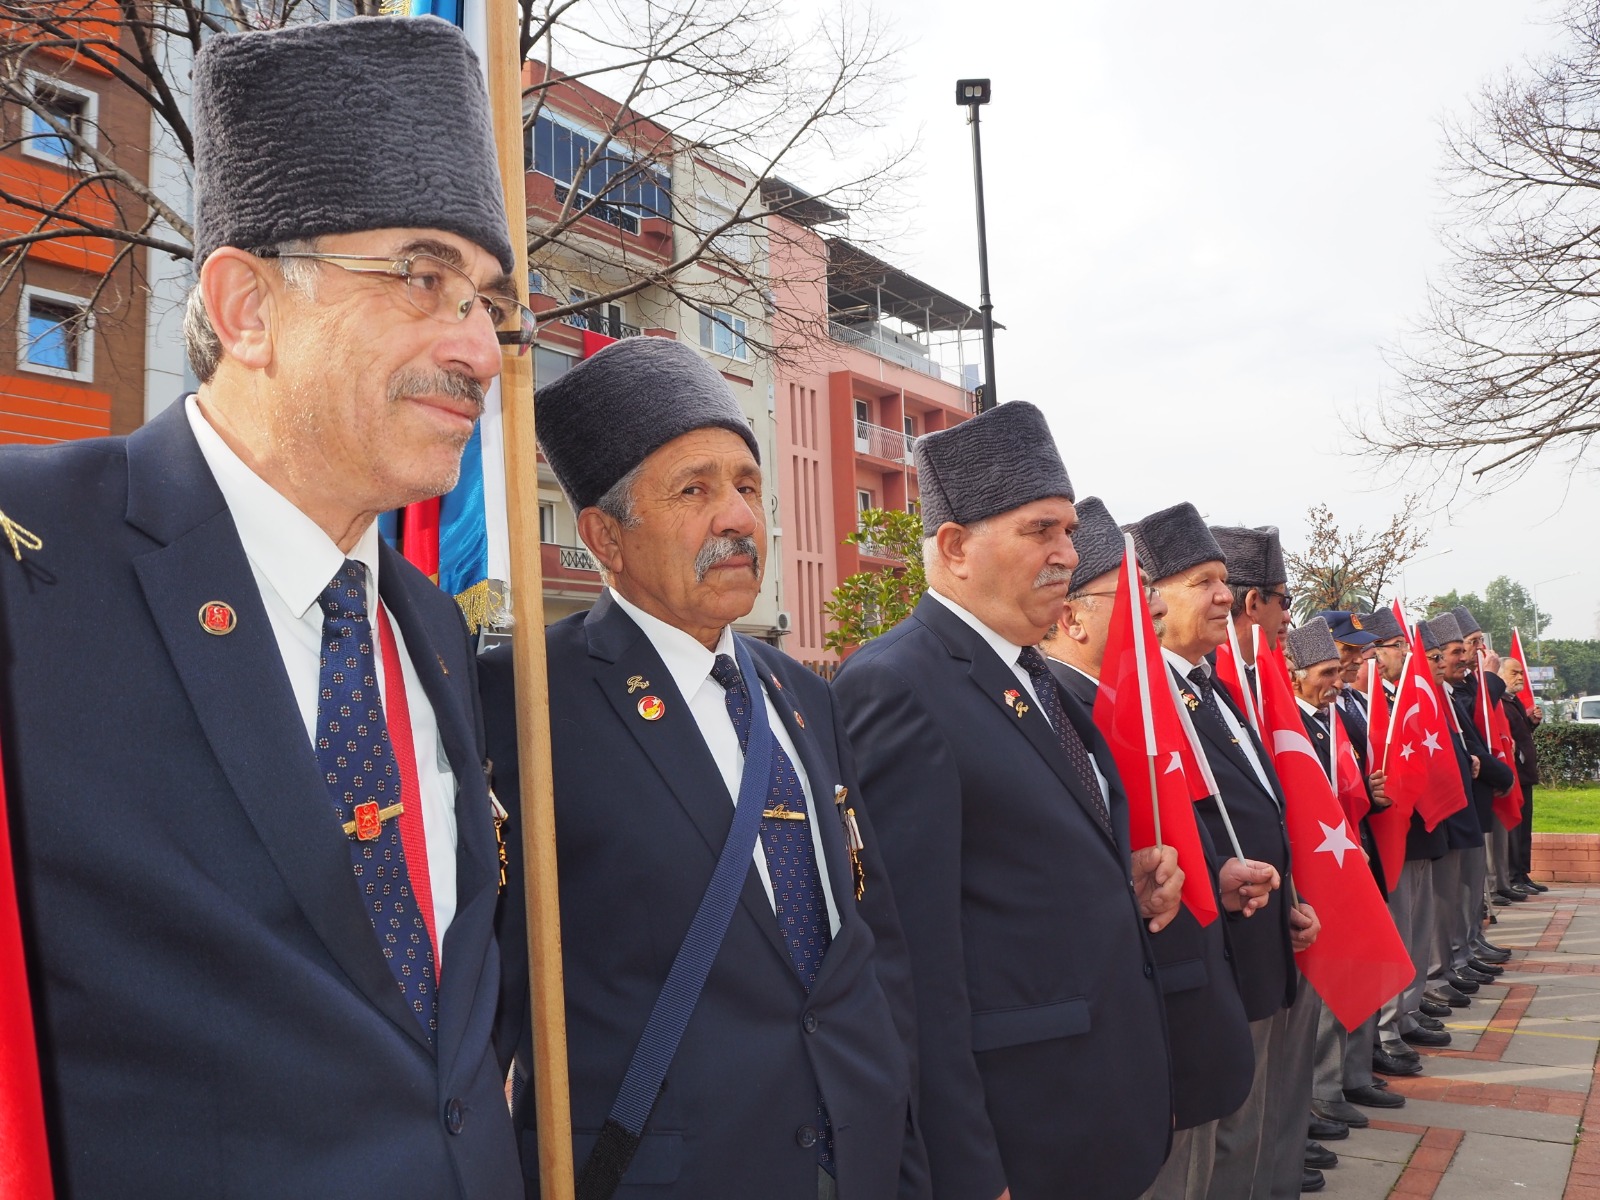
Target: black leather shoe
{"points": [[1485, 952], [1428, 1022], [1426, 1037], [1462, 983], [1399, 1049], [1385, 1063], [1429, 1008], [1534, 884], [1447, 996], [1312, 1181], [1374, 1097], [1469, 973], [1498, 901], [1320, 1129], [1485, 968], [1515, 895], [1320, 1156], [1342, 1111]]}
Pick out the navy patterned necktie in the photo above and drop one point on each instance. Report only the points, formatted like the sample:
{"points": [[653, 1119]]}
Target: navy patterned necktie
{"points": [[363, 781], [791, 860], [1045, 686]]}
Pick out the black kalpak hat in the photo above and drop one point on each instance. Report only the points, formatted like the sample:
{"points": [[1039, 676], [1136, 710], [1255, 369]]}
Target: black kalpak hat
{"points": [[340, 127], [612, 411], [1254, 556], [1311, 643], [1097, 540], [998, 461], [1174, 540]]}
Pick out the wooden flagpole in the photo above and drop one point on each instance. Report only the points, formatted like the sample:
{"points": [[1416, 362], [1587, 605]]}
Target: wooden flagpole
{"points": [[550, 1092]]}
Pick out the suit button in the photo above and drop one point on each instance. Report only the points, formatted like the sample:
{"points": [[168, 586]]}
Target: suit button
{"points": [[1148, 970], [809, 1022], [806, 1136], [452, 1116]]}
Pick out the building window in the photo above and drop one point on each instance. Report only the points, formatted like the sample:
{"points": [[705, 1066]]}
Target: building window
{"points": [[535, 284], [616, 187], [911, 434], [723, 332], [57, 107], [549, 365], [863, 500], [731, 243], [547, 522], [55, 335]]}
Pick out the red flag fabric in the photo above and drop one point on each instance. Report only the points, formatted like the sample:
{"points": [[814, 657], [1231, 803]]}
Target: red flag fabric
{"points": [[1420, 764], [419, 536], [1350, 786], [1526, 697], [1134, 712], [1358, 960], [1490, 718], [24, 1153], [1389, 825], [1230, 673]]}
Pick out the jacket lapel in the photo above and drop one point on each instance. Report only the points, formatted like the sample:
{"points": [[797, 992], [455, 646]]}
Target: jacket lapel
{"points": [[672, 743], [261, 744]]}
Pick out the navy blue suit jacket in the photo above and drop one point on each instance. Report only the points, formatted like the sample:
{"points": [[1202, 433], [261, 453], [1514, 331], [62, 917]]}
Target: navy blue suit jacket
{"points": [[641, 816], [1261, 948], [1213, 1058], [215, 1016], [1043, 1050]]}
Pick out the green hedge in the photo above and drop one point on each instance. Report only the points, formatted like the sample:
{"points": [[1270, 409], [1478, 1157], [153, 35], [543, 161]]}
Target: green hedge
{"points": [[1568, 752]]}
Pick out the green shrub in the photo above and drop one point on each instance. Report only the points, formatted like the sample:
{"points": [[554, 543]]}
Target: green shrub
{"points": [[1568, 752]]}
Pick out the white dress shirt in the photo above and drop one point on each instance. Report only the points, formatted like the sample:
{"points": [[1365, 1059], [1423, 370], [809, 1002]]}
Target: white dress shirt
{"points": [[1235, 730], [1009, 653], [293, 560], [689, 663]]}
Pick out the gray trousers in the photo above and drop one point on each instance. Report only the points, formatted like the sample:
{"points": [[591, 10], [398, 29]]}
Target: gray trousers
{"points": [[1239, 1133], [1412, 906], [1186, 1175], [1344, 1059], [1283, 1130], [1469, 905], [1499, 857], [1447, 914]]}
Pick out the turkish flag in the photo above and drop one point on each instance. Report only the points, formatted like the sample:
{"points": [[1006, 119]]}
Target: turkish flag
{"points": [[1358, 960], [24, 1153], [1349, 785], [1527, 697], [1389, 825], [1420, 768], [1135, 713], [1490, 718], [1231, 674]]}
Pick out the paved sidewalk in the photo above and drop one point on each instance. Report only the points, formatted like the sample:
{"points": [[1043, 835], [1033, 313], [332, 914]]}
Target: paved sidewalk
{"points": [[1501, 1113]]}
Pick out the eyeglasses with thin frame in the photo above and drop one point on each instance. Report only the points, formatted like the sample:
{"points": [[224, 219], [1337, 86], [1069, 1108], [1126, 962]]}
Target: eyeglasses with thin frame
{"points": [[1284, 598], [436, 288]]}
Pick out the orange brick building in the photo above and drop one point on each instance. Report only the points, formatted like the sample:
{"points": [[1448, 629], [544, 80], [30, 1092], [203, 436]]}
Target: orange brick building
{"points": [[72, 317]]}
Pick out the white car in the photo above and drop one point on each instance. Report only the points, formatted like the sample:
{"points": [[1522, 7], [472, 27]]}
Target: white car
{"points": [[1586, 711]]}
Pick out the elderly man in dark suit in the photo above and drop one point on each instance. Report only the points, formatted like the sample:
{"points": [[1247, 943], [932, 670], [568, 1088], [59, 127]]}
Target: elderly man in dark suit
{"points": [[697, 767], [1260, 1136], [1523, 721], [1044, 1068], [1213, 1062], [260, 896]]}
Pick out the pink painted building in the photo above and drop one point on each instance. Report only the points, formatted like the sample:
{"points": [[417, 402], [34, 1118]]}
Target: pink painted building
{"points": [[870, 375]]}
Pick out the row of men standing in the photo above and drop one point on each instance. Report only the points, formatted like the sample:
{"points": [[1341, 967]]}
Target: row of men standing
{"points": [[240, 886]]}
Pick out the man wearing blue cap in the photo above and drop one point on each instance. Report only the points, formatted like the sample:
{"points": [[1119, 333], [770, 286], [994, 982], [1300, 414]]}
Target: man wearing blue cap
{"points": [[261, 896], [1043, 1049]]}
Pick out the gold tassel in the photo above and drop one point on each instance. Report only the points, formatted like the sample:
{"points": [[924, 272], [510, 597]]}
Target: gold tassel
{"points": [[20, 538], [484, 603]]}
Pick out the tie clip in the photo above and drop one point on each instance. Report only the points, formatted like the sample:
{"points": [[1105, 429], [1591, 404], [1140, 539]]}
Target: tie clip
{"points": [[782, 813], [369, 820]]}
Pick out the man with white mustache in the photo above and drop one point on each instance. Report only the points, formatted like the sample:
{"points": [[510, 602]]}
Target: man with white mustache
{"points": [[1043, 1051], [793, 1076]]}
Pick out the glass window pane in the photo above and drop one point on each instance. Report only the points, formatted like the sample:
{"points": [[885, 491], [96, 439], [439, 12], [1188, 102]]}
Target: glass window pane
{"points": [[707, 326], [544, 146], [52, 337]]}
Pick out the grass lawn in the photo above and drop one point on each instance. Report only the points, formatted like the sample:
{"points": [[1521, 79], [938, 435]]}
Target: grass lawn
{"points": [[1566, 810]]}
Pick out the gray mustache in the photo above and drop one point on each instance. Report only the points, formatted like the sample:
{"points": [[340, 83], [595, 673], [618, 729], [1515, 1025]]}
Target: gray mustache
{"points": [[453, 384], [1052, 575], [720, 549]]}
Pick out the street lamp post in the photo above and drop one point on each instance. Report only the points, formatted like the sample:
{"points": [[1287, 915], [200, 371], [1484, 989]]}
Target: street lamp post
{"points": [[972, 93]]}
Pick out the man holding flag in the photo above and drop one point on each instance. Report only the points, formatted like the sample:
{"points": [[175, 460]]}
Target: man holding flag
{"points": [[1209, 1036], [1522, 718], [1043, 1049], [243, 890], [1485, 691], [1245, 822]]}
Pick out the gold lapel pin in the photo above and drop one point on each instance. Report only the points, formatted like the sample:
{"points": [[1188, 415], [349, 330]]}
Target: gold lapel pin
{"points": [[217, 617], [637, 683]]}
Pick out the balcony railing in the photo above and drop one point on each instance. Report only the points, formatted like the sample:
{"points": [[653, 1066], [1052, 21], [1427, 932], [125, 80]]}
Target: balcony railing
{"points": [[600, 323], [577, 558], [895, 354], [890, 444]]}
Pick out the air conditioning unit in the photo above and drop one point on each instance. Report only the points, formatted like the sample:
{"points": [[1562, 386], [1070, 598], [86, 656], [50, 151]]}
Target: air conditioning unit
{"points": [[783, 622]]}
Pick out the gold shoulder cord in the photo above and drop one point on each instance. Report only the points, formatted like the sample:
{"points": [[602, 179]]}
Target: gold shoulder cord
{"points": [[20, 538]]}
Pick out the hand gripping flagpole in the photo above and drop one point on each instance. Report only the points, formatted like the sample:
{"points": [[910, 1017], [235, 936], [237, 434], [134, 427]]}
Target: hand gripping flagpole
{"points": [[1141, 622], [553, 1112]]}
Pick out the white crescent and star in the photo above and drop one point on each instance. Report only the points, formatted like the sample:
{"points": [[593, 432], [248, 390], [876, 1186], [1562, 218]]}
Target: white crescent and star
{"points": [[1336, 841]]}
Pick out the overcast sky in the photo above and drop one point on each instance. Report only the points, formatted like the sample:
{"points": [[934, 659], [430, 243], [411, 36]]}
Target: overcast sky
{"points": [[1205, 221]]}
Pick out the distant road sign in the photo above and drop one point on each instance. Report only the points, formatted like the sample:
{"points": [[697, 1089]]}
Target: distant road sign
{"points": [[1541, 674]]}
